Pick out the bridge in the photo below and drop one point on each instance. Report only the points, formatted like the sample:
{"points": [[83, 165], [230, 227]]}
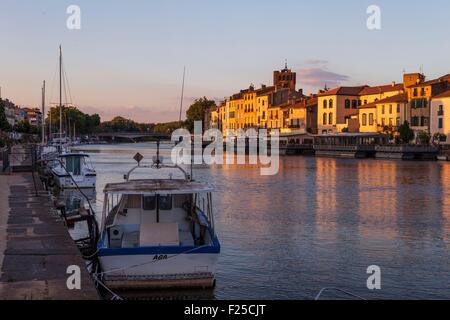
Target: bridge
{"points": [[132, 136]]}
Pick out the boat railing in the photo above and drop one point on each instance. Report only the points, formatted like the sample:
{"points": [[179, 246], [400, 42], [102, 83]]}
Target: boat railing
{"points": [[338, 290], [186, 175]]}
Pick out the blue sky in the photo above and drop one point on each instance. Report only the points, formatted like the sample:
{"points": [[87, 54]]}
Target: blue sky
{"points": [[128, 57]]}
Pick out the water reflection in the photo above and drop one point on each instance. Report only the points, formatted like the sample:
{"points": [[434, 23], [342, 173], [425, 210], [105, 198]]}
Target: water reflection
{"points": [[321, 222]]}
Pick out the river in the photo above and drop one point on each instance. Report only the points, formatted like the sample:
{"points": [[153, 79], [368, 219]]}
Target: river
{"points": [[320, 222]]}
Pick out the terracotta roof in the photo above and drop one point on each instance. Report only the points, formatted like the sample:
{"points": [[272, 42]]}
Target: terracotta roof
{"points": [[445, 94], [311, 102], [265, 90], [383, 88], [432, 82], [344, 91], [403, 97]]}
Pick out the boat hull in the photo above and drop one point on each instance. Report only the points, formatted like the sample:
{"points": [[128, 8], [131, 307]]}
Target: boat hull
{"points": [[66, 182], [158, 271]]}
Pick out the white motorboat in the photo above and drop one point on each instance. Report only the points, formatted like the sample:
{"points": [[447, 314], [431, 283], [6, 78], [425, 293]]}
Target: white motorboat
{"points": [[73, 170], [158, 233]]}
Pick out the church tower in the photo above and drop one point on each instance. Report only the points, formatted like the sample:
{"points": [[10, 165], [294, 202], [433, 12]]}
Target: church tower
{"points": [[285, 79]]}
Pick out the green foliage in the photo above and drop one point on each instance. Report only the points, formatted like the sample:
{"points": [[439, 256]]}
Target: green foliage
{"points": [[4, 124], [197, 110], [24, 126], [424, 137], [167, 127], [439, 137], [406, 133], [120, 124], [84, 123]]}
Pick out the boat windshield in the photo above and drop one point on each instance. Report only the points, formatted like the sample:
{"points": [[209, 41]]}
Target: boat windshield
{"points": [[73, 164]]}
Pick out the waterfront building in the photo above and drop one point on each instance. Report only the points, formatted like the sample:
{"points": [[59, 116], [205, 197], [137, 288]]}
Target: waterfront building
{"points": [[440, 116], [33, 116], [420, 95], [388, 113], [377, 93], [336, 107]]}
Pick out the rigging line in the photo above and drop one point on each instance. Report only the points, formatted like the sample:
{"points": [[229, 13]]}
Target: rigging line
{"points": [[53, 85], [68, 84], [115, 295]]}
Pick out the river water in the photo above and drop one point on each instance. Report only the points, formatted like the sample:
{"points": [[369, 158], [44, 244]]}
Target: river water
{"points": [[320, 222]]}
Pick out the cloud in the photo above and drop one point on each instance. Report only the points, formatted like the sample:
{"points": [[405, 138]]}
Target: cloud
{"points": [[315, 62], [317, 77]]}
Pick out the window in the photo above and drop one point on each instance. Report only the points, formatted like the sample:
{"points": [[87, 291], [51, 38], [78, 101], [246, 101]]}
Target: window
{"points": [[330, 118], [354, 104], [383, 122], [331, 103], [263, 102], [415, 92], [422, 91], [165, 202], [149, 203], [398, 108], [390, 122], [440, 123], [415, 121], [325, 104], [365, 101], [382, 109], [364, 119], [347, 104], [423, 121], [441, 110], [73, 165], [324, 119], [390, 109], [371, 119]]}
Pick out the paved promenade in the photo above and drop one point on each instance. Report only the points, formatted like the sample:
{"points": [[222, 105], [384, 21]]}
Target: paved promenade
{"points": [[35, 246]]}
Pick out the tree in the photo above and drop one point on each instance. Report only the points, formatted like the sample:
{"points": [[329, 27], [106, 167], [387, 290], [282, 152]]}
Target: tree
{"points": [[4, 124], [406, 133], [197, 110], [424, 137], [83, 123]]}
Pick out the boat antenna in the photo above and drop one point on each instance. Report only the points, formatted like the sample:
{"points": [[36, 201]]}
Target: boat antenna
{"points": [[157, 162], [182, 94], [43, 114], [60, 96]]}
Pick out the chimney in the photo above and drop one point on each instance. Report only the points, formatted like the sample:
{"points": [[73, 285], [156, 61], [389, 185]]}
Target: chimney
{"points": [[393, 83]]}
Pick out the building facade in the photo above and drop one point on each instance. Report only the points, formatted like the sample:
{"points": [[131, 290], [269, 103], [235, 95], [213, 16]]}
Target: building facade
{"points": [[440, 116]]}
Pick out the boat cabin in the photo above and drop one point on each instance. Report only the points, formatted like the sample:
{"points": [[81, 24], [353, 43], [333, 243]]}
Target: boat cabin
{"points": [[155, 213]]}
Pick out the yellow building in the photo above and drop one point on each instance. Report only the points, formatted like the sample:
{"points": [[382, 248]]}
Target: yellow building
{"points": [[390, 112], [440, 116], [377, 93], [420, 95], [336, 107]]}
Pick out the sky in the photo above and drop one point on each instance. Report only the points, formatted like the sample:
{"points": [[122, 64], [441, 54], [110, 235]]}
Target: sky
{"points": [[128, 57]]}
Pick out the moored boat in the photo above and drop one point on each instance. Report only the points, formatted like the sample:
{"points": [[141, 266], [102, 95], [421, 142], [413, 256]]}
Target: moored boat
{"points": [[158, 233], [73, 170]]}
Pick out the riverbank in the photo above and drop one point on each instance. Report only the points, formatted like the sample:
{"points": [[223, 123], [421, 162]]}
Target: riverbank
{"points": [[35, 246]]}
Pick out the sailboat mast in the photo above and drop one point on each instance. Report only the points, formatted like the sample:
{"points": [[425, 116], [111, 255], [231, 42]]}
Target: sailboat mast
{"points": [[43, 114], [60, 95], [182, 94]]}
